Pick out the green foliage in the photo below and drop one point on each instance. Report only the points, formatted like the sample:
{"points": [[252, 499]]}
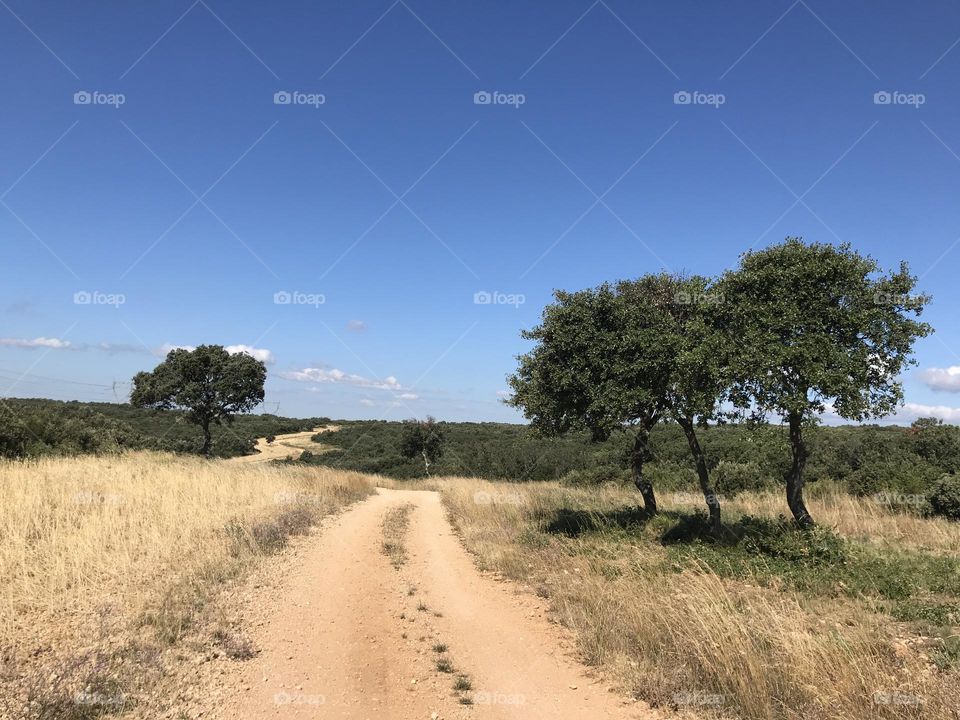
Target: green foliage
{"points": [[209, 383], [944, 497], [422, 438], [492, 450], [582, 374], [33, 428], [937, 443], [752, 454], [668, 475], [731, 477], [596, 475], [913, 476], [815, 322]]}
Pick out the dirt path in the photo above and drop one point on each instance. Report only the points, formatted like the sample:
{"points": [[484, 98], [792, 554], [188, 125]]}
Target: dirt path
{"points": [[290, 445], [349, 636]]}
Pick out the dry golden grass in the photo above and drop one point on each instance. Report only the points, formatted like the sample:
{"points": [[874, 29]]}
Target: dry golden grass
{"points": [[97, 551], [681, 636], [396, 521], [863, 518]]}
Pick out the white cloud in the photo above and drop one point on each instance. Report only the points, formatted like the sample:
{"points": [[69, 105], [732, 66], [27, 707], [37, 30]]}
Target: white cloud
{"points": [[912, 411], [261, 354], [367, 402], [40, 342], [945, 379], [356, 326], [166, 348], [409, 396], [333, 375]]}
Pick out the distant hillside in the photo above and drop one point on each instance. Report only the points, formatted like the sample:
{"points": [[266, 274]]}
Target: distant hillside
{"points": [[34, 427]]}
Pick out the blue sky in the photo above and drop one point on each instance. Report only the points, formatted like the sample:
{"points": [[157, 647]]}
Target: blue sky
{"points": [[344, 235]]}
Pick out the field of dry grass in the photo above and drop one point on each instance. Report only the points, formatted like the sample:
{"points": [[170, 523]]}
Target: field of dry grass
{"points": [[107, 562], [660, 619]]}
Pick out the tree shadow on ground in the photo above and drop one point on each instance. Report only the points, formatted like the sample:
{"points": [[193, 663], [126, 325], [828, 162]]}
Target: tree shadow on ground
{"points": [[694, 527], [686, 527], [575, 523]]}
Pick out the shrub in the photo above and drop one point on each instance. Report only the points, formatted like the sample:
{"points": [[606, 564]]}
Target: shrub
{"points": [[944, 498], [900, 475], [596, 475], [670, 476], [730, 478]]}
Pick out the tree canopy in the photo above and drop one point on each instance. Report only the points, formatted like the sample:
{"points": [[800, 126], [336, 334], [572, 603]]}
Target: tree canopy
{"points": [[211, 384], [817, 328], [795, 330]]}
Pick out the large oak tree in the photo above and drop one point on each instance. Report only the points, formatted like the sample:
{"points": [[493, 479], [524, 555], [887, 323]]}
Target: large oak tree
{"points": [[209, 383]]}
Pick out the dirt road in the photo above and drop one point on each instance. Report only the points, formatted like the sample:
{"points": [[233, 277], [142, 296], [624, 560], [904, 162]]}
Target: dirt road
{"points": [[290, 445], [350, 636]]}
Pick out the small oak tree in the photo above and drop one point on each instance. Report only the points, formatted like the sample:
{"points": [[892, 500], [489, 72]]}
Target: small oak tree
{"points": [[211, 384], [669, 327], [583, 374], [813, 325], [424, 438]]}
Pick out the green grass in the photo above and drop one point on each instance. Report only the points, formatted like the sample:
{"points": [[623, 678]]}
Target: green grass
{"points": [[909, 586]]}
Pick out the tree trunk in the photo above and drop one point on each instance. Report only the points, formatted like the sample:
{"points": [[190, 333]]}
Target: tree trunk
{"points": [[205, 450], [638, 457], [426, 462], [703, 473], [795, 479]]}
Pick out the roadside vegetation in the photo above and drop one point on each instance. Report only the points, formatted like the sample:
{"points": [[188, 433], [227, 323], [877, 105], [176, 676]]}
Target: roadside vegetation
{"points": [[108, 566], [31, 428], [903, 468], [796, 329], [857, 618]]}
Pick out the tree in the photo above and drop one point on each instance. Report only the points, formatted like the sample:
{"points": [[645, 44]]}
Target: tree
{"points": [[424, 438], [937, 443], [813, 325], [211, 384], [669, 327], [583, 374]]}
